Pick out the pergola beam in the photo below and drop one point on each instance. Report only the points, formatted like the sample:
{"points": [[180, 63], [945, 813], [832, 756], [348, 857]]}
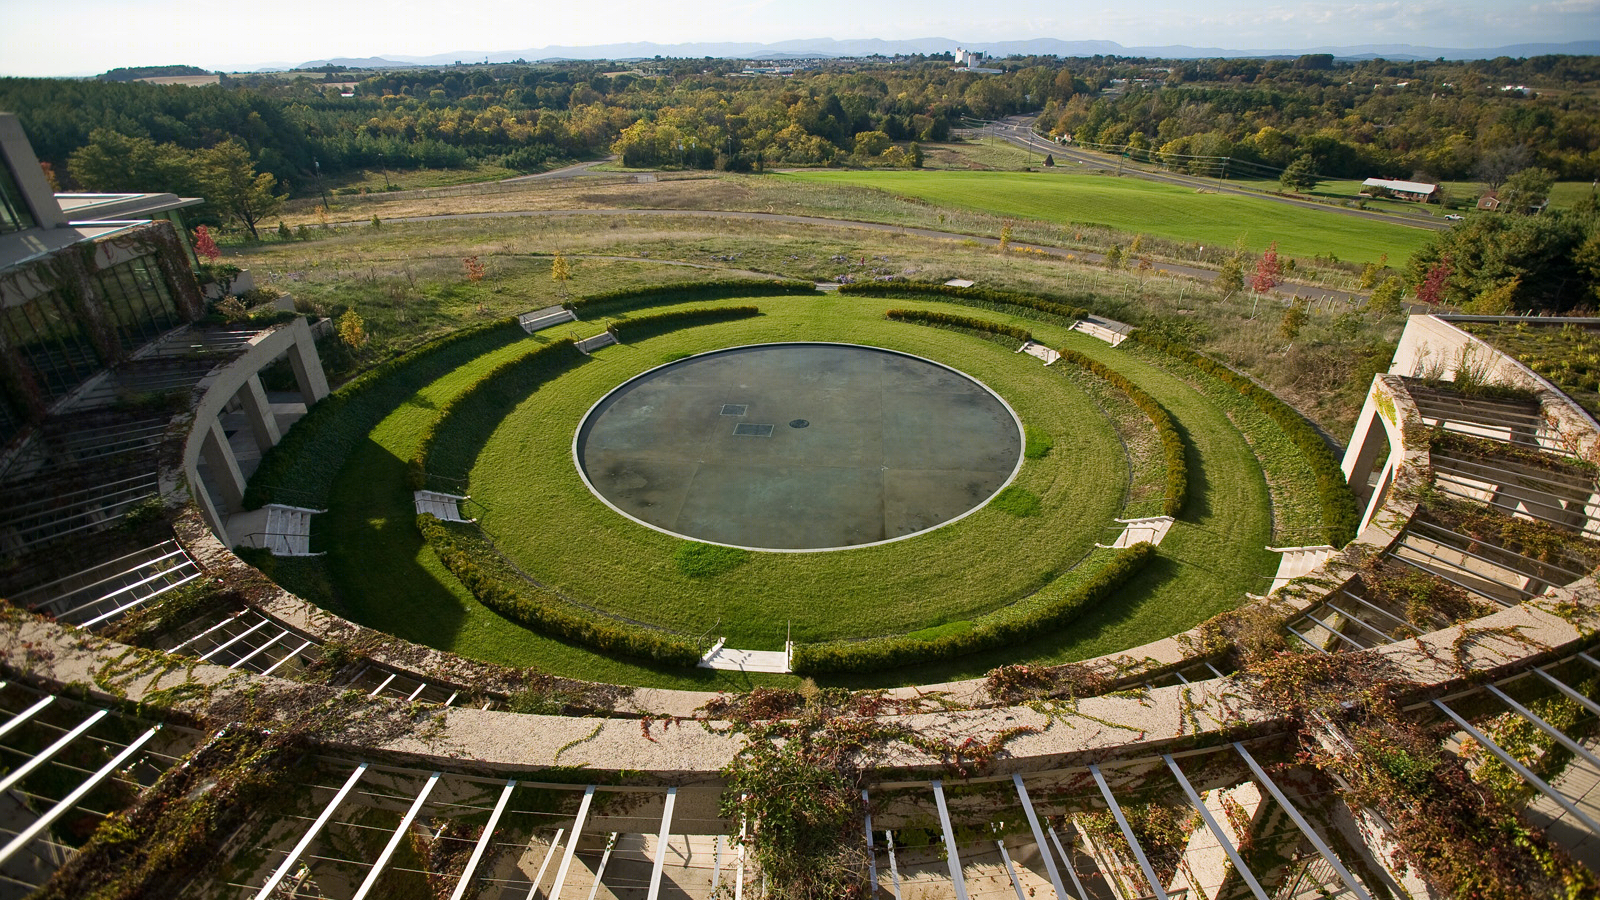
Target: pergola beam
{"points": [[396, 838], [1038, 836], [1216, 828], [1538, 783], [1127, 832], [44, 756], [661, 844], [305, 841], [483, 840], [1300, 822], [954, 858], [572, 844], [66, 803]]}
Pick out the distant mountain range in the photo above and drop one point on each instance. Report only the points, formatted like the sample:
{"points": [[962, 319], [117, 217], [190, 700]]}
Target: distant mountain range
{"points": [[828, 47]]}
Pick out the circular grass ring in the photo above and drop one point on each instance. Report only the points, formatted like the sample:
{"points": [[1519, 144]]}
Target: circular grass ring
{"points": [[1228, 525]]}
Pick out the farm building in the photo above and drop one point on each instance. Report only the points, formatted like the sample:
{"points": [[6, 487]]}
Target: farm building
{"points": [[1418, 191]]}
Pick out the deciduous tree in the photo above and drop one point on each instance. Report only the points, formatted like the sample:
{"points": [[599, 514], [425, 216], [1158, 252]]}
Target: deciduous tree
{"points": [[230, 181], [1269, 272]]}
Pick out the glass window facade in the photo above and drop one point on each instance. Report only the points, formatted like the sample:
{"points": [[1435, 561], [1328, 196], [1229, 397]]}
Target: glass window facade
{"points": [[14, 212], [47, 331], [138, 300]]}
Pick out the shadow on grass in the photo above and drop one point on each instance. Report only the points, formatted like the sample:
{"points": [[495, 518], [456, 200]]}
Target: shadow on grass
{"points": [[472, 419], [1118, 610], [374, 549]]}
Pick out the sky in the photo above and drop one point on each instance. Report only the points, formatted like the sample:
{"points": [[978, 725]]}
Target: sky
{"points": [[84, 37]]}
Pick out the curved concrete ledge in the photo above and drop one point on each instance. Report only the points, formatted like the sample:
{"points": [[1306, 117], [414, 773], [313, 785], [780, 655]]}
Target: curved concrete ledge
{"points": [[1063, 735]]}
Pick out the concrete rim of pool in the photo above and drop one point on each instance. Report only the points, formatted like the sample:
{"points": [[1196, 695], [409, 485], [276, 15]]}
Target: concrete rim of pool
{"points": [[798, 447]]}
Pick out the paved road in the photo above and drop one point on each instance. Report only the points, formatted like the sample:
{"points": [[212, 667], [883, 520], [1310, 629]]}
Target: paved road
{"points": [[1314, 292], [572, 171], [1018, 130]]}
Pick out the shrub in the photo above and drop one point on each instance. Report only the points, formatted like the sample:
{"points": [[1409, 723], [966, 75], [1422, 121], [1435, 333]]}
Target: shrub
{"points": [[1339, 514], [650, 326], [984, 298], [946, 320], [500, 387], [1172, 445], [544, 611], [661, 295], [1005, 628]]}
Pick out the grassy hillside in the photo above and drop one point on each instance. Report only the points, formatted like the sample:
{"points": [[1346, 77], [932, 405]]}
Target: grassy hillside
{"points": [[1135, 205]]}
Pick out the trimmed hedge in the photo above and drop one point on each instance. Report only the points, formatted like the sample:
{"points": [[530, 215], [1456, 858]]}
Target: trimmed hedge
{"points": [[311, 454], [1171, 441], [661, 323], [518, 374], [945, 320], [1339, 516], [544, 611], [1005, 628], [660, 295], [971, 296]]}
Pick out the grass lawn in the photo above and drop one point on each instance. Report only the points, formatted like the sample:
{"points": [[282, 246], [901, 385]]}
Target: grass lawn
{"points": [[525, 474], [1139, 206], [540, 513]]}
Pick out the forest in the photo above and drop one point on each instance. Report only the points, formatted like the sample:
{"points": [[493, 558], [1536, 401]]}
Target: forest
{"points": [[1434, 120]]}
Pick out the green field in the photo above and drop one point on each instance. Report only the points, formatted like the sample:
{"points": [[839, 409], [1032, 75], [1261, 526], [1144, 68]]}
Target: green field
{"points": [[1138, 206], [541, 514]]}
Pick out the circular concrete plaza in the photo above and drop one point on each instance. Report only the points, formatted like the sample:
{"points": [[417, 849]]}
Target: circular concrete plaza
{"points": [[800, 446]]}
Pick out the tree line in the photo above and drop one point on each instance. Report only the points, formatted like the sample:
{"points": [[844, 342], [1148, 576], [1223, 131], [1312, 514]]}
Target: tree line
{"points": [[1425, 121]]}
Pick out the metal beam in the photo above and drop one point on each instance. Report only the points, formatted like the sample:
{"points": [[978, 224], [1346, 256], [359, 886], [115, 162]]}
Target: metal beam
{"points": [[1527, 774], [396, 838], [379, 689], [483, 840], [1072, 870], [206, 656], [1300, 822], [1038, 836], [252, 654], [600, 871], [716, 863], [894, 866], [43, 756], [311, 833], [296, 652], [1216, 828], [872, 852], [549, 853], [1156, 887], [1545, 727], [68, 802], [26, 714], [661, 844], [572, 844], [1562, 686], [954, 858], [1011, 870]]}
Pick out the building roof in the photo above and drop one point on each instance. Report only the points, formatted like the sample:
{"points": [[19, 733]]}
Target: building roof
{"points": [[99, 207], [1409, 187]]}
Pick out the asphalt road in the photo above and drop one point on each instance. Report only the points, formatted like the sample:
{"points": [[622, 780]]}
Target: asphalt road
{"points": [[1309, 292]]}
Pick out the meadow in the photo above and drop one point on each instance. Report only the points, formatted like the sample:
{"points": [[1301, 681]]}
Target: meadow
{"points": [[1137, 206]]}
